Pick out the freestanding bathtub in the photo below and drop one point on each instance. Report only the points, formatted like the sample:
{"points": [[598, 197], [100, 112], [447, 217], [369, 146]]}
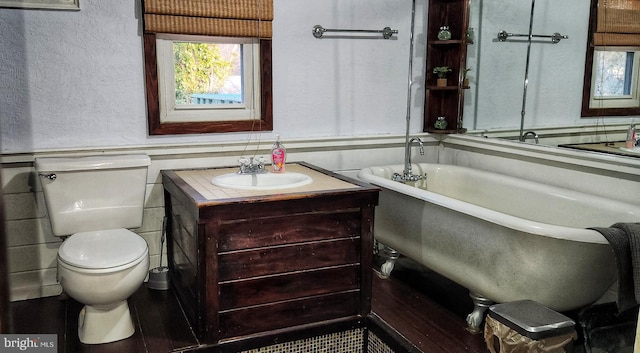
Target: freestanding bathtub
{"points": [[501, 237]]}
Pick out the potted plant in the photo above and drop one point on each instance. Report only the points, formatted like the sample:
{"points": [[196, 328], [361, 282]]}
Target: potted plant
{"points": [[441, 72], [465, 79]]}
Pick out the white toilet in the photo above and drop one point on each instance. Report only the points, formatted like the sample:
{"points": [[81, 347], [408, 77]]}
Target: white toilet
{"points": [[93, 200]]}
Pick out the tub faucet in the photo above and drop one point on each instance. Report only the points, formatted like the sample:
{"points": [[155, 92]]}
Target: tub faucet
{"points": [[420, 144], [407, 174], [523, 138]]}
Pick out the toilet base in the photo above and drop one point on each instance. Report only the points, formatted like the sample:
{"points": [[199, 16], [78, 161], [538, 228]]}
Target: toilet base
{"points": [[104, 324]]}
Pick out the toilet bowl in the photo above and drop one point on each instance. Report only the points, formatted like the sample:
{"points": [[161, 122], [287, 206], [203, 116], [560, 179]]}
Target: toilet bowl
{"points": [[101, 269], [92, 201]]}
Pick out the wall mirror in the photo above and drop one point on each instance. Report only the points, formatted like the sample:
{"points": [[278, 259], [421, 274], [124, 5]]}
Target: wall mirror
{"points": [[497, 99]]}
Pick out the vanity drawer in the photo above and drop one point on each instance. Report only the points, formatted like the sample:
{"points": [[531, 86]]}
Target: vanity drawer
{"points": [[292, 228], [262, 290], [288, 258], [288, 314]]}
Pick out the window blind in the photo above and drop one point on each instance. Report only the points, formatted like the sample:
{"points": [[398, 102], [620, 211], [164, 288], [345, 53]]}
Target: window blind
{"points": [[618, 23], [227, 18]]}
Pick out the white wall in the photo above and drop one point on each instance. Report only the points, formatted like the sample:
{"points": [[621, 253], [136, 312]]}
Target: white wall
{"points": [[75, 79]]}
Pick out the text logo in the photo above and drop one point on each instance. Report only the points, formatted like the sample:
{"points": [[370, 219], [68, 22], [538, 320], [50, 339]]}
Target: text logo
{"points": [[30, 343]]}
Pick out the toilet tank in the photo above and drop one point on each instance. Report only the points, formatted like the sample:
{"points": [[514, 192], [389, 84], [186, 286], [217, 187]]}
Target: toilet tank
{"points": [[93, 193]]}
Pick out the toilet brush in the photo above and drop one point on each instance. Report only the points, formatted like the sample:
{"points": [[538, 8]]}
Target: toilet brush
{"points": [[159, 276]]}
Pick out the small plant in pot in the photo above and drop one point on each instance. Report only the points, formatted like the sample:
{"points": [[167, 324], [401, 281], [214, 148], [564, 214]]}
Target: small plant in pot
{"points": [[465, 79], [441, 72]]}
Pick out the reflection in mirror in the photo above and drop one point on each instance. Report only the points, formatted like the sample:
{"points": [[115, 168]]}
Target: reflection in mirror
{"points": [[612, 68], [556, 72]]}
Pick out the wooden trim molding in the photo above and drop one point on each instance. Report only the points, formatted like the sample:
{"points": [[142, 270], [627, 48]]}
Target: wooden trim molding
{"points": [[72, 5], [4, 275]]}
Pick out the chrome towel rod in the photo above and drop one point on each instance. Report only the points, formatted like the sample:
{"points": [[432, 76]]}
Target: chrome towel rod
{"points": [[555, 38], [318, 31]]}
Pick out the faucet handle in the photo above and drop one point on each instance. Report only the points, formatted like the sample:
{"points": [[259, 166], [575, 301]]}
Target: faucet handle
{"points": [[244, 161]]}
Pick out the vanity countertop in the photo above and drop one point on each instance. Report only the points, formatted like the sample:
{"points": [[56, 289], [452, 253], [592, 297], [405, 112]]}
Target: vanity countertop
{"points": [[197, 183]]}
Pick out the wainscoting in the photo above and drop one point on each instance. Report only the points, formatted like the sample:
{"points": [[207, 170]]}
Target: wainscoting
{"points": [[32, 249]]}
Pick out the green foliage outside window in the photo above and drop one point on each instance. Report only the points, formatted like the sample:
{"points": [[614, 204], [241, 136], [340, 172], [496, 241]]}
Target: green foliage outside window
{"points": [[199, 68]]}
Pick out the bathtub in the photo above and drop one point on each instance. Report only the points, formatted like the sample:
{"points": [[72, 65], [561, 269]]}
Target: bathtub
{"points": [[501, 237]]}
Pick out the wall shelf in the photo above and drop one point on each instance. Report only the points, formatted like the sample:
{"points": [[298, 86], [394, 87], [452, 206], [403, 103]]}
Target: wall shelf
{"points": [[446, 101], [446, 42], [445, 88]]}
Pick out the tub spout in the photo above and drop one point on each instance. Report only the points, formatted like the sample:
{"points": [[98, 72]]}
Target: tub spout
{"points": [[524, 136], [420, 144], [407, 153]]}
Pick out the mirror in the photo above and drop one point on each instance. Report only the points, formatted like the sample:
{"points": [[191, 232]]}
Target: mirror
{"points": [[496, 100]]}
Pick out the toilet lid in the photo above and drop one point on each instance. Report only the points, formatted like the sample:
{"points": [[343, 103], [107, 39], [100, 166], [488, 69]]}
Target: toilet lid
{"points": [[102, 249]]}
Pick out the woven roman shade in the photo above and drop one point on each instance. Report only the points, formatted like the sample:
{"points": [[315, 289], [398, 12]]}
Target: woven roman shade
{"points": [[618, 23], [227, 18]]}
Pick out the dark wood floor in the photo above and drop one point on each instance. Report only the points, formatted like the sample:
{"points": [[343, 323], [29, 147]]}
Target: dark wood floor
{"points": [[430, 316]]}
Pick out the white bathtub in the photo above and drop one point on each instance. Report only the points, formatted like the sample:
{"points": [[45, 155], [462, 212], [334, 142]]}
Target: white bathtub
{"points": [[503, 238]]}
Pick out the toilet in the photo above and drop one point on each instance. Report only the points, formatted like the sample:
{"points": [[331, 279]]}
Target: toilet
{"points": [[93, 202]]}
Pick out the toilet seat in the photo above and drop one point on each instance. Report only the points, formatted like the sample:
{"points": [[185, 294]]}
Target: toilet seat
{"points": [[103, 249]]}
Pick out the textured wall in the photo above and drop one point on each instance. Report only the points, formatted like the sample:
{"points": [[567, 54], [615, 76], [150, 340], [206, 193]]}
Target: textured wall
{"points": [[75, 79]]}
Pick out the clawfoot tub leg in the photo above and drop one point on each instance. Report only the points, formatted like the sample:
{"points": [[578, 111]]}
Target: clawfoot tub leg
{"points": [[388, 265], [480, 305]]}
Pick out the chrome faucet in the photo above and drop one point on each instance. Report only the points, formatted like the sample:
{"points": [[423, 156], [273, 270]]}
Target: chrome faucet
{"points": [[407, 174], [252, 165], [523, 138], [420, 144]]}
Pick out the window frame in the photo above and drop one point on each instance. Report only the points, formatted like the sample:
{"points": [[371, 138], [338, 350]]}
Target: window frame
{"points": [[172, 112], [158, 127]]}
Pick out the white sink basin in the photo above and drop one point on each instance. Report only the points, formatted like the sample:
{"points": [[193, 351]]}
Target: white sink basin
{"points": [[266, 181]]}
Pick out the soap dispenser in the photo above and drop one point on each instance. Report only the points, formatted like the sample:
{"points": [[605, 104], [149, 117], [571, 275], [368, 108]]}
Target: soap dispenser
{"points": [[630, 142], [278, 156]]}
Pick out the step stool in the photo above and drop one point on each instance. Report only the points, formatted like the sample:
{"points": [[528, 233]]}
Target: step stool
{"points": [[527, 326]]}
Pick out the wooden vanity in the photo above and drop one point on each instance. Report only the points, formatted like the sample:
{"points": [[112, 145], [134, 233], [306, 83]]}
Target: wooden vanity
{"points": [[246, 263]]}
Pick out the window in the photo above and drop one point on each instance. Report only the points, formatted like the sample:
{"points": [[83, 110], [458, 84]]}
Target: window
{"points": [[615, 78], [208, 78], [208, 65], [612, 70]]}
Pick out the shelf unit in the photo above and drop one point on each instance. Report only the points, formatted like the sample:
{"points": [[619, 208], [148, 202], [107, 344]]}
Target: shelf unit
{"points": [[446, 101]]}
